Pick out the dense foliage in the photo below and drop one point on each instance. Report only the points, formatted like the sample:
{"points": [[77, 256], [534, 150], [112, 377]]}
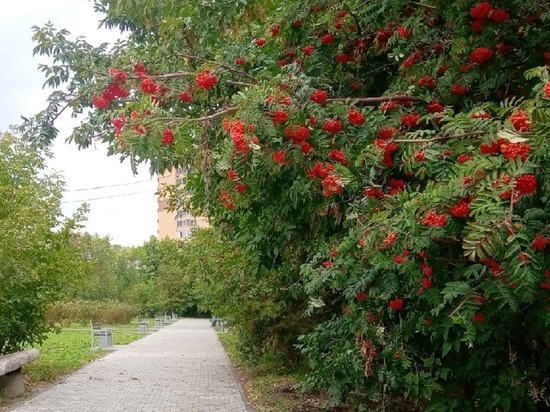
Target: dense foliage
{"points": [[384, 160], [35, 255]]}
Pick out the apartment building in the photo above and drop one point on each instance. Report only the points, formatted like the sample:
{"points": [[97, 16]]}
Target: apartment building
{"points": [[177, 224]]}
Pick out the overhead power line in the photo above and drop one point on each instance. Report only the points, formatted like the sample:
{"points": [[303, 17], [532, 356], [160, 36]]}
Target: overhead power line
{"points": [[105, 197], [83, 189]]}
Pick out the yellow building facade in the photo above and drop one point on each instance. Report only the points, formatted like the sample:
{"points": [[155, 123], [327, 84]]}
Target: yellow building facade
{"points": [[177, 224]]}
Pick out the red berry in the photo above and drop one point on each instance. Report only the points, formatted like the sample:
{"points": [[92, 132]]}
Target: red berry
{"points": [[526, 184], [396, 304], [499, 16], [520, 121], [260, 42], [100, 102], [540, 242], [355, 117], [279, 157], [410, 120], [327, 38], [240, 61], [319, 96], [167, 137], [481, 10], [308, 50], [461, 209], [481, 55], [206, 81], [338, 156], [459, 90], [332, 126], [478, 317]]}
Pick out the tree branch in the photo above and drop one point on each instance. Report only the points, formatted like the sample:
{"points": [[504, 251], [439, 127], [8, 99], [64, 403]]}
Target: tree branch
{"points": [[189, 56], [70, 102], [466, 298], [374, 100], [216, 114], [234, 83], [441, 138]]}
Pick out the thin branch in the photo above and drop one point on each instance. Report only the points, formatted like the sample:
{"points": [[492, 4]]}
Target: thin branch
{"points": [[69, 103], [466, 298], [374, 100], [441, 138], [216, 114], [189, 56], [167, 76], [234, 83]]}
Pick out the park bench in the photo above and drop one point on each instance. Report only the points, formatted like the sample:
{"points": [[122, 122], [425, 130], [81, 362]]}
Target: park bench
{"points": [[104, 336], [12, 383]]}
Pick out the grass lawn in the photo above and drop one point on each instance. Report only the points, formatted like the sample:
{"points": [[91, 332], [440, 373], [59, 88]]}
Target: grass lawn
{"points": [[69, 350]]}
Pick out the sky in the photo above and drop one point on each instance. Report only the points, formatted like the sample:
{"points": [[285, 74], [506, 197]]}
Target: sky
{"points": [[122, 206]]}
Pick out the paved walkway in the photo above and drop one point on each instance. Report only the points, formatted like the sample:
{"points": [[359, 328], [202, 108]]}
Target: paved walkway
{"points": [[182, 367]]}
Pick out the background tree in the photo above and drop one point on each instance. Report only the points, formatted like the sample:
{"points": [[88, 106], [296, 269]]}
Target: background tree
{"points": [[35, 256]]}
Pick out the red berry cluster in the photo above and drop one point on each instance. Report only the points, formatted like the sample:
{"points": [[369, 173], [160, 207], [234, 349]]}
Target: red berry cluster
{"points": [[478, 317], [320, 170], [388, 240], [327, 38], [319, 96], [338, 156], [492, 148], [410, 120], [512, 150], [520, 121], [297, 133], [113, 91], [463, 158], [389, 148], [396, 304], [167, 137], [237, 131], [331, 185], [433, 219], [356, 118], [373, 192], [462, 208], [185, 97], [232, 174], [279, 157], [279, 116], [428, 82], [494, 266], [260, 42], [546, 90], [459, 89], [420, 157], [226, 199], [526, 184], [435, 107], [332, 126], [239, 61], [387, 133], [148, 86], [540, 242], [481, 55], [206, 81], [360, 296]]}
